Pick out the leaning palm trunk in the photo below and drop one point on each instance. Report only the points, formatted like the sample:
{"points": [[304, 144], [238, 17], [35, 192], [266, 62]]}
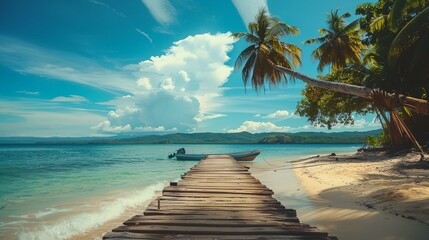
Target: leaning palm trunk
{"points": [[398, 129], [359, 91]]}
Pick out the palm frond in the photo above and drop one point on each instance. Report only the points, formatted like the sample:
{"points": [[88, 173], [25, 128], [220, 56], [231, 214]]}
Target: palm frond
{"points": [[282, 29], [315, 40], [395, 14], [250, 38], [351, 27], [324, 31], [248, 67], [409, 34], [238, 35], [378, 23], [244, 55]]}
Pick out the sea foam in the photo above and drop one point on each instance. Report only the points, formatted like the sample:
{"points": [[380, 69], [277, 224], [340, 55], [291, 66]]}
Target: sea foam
{"points": [[81, 223]]}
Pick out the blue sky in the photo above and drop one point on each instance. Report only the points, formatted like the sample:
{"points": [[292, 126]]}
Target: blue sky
{"points": [[109, 67]]}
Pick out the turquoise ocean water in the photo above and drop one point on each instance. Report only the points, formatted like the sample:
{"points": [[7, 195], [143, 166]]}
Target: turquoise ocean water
{"points": [[61, 191]]}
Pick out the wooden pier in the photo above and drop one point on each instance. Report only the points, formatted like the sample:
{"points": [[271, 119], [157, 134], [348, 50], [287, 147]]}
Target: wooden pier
{"points": [[216, 199]]}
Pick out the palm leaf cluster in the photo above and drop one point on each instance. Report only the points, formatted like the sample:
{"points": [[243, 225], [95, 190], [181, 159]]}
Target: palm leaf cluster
{"points": [[340, 44], [265, 50]]}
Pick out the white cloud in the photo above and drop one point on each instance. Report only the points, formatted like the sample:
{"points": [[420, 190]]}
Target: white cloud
{"points": [[108, 7], [257, 127], [144, 34], [280, 115], [249, 8], [202, 117], [27, 92], [184, 85], [167, 84], [27, 58], [39, 118], [144, 82], [151, 111], [375, 122], [71, 99], [162, 10]]}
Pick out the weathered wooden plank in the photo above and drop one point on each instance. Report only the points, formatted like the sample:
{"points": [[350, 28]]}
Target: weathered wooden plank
{"points": [[212, 208], [218, 190], [212, 223], [243, 217], [208, 195], [220, 184], [214, 204], [278, 230], [146, 236], [223, 186], [214, 199], [265, 213], [217, 180]]}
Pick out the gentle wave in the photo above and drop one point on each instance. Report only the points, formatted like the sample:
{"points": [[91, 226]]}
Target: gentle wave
{"points": [[84, 222]]}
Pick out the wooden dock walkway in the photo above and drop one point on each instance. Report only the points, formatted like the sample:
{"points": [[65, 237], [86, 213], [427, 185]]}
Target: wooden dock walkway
{"points": [[216, 199]]}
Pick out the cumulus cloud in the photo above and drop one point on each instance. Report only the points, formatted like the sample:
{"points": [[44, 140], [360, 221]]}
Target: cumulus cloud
{"points": [[144, 83], [257, 127], [162, 10], [71, 99], [176, 90], [249, 8], [280, 115]]}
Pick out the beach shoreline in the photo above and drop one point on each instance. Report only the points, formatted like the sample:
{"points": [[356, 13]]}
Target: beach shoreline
{"points": [[354, 196]]}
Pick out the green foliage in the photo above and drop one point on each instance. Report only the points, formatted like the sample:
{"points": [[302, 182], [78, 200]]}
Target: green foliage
{"points": [[397, 33], [265, 50], [372, 141], [340, 43], [328, 108], [278, 139], [396, 38], [384, 138]]}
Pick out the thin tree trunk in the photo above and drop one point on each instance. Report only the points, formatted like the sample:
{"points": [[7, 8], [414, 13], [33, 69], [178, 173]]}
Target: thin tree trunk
{"points": [[420, 106], [359, 91]]}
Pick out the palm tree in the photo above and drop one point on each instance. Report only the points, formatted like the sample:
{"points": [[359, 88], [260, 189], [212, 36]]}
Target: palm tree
{"points": [[266, 50], [340, 44], [407, 54], [266, 61]]}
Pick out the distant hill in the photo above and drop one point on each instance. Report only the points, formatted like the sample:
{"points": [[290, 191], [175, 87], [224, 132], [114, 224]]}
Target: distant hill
{"points": [[209, 138], [249, 138]]}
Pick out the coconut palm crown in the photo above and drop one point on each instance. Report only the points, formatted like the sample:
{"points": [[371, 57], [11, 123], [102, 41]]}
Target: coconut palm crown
{"points": [[340, 44], [266, 50]]}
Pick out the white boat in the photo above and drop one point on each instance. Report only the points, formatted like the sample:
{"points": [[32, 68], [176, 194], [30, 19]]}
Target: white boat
{"points": [[239, 156]]}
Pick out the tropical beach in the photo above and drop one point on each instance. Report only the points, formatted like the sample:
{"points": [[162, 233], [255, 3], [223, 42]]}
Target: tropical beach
{"points": [[229, 119], [343, 194]]}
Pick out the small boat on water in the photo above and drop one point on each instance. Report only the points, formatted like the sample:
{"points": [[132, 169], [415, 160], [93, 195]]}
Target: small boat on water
{"points": [[239, 156]]}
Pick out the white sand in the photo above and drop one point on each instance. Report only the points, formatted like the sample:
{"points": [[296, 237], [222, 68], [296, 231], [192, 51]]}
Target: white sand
{"points": [[363, 196]]}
